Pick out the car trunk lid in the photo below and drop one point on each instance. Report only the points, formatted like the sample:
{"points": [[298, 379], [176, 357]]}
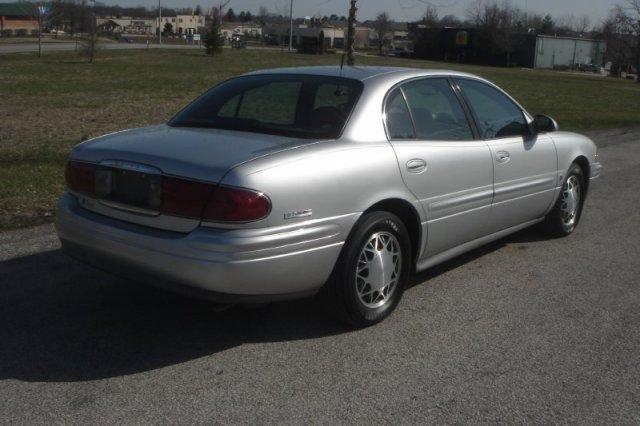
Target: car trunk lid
{"points": [[132, 163]]}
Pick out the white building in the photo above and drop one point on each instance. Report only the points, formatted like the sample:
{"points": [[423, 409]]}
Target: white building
{"points": [[567, 51], [183, 24], [245, 28], [126, 25]]}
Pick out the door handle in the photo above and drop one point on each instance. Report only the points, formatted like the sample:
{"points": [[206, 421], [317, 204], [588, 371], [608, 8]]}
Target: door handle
{"points": [[503, 156], [416, 165]]}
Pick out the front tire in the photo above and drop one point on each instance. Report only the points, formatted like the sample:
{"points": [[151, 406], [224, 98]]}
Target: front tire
{"points": [[565, 215], [369, 278]]}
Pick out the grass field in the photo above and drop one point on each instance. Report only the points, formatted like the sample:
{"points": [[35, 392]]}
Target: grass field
{"points": [[48, 105]]}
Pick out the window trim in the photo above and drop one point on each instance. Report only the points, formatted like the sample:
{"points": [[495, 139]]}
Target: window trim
{"points": [[527, 117], [384, 114], [449, 79]]}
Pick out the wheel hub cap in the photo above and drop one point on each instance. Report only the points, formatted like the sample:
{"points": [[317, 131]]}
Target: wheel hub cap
{"points": [[378, 269], [570, 201]]}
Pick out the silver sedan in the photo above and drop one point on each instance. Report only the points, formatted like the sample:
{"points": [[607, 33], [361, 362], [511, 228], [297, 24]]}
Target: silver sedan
{"points": [[290, 182]]}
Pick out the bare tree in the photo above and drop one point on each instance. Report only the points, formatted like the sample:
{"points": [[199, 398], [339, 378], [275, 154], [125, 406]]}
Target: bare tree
{"points": [[500, 23], [430, 17], [450, 21], [263, 15], [90, 45], [583, 24], [475, 12], [382, 26], [633, 7], [566, 24], [621, 31]]}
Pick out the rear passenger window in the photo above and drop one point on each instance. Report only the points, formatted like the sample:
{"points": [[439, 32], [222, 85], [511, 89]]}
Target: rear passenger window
{"points": [[436, 111], [271, 103], [333, 96], [399, 124]]}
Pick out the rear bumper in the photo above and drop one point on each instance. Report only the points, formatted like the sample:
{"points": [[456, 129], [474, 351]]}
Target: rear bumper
{"points": [[220, 264]]}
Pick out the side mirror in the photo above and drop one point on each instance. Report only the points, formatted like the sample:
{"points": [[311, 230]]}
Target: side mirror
{"points": [[543, 124]]}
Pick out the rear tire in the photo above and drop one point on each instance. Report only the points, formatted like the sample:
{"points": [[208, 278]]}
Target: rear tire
{"points": [[563, 219], [370, 275]]}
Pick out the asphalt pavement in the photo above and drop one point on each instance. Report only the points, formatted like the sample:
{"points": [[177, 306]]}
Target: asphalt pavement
{"points": [[525, 330]]}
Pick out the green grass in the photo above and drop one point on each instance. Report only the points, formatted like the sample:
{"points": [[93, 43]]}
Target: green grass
{"points": [[50, 104]]}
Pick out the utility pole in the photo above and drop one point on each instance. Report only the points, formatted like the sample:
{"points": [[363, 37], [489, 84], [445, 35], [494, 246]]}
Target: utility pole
{"points": [[351, 33], [40, 31], [638, 52], [159, 23], [222, 6], [94, 33], [291, 26]]}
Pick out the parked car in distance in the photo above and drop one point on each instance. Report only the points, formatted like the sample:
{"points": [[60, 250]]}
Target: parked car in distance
{"points": [[591, 68], [238, 41], [292, 182], [401, 53]]}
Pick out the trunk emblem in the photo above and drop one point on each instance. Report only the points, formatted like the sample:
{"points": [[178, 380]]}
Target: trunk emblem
{"points": [[129, 165], [299, 213]]}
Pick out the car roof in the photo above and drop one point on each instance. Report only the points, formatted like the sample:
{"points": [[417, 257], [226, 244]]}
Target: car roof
{"points": [[360, 72]]}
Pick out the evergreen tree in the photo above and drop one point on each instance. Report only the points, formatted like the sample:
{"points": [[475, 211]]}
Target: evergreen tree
{"points": [[214, 41], [231, 16], [548, 25]]}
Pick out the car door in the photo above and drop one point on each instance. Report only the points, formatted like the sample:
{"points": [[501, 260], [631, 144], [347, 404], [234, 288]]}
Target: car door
{"points": [[442, 162], [524, 166]]}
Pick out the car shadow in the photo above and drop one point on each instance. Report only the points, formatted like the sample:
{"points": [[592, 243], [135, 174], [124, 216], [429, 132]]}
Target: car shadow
{"points": [[519, 239], [61, 321]]}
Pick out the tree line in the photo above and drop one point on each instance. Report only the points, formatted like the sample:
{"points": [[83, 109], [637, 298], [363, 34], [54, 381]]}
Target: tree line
{"points": [[501, 21]]}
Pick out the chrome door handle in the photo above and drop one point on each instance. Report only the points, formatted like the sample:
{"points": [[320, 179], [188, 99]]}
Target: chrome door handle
{"points": [[502, 156], [416, 165]]}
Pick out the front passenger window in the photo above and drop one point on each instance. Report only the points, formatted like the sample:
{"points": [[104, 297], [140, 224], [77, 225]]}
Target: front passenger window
{"points": [[496, 114]]}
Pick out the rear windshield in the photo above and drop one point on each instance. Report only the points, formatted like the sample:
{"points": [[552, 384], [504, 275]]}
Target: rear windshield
{"points": [[305, 106]]}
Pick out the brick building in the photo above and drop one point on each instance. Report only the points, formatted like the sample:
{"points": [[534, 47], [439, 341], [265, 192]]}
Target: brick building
{"points": [[18, 19]]}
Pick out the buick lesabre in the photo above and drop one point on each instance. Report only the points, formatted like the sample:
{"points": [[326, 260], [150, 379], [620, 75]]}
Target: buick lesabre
{"points": [[286, 183]]}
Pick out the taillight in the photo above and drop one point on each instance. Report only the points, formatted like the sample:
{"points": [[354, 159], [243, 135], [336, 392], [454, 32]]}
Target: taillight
{"points": [[183, 197], [80, 177], [236, 205]]}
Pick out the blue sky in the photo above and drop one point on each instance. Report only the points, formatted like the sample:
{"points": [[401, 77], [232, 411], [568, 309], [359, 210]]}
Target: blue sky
{"points": [[406, 10]]}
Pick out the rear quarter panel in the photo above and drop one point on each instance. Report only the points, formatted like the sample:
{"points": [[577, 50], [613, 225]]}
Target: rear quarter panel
{"points": [[331, 178]]}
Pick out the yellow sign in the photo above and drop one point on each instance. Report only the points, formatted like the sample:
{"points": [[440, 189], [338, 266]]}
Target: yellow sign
{"points": [[462, 38]]}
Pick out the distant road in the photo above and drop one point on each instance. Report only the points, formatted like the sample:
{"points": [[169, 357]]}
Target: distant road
{"points": [[61, 47]]}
